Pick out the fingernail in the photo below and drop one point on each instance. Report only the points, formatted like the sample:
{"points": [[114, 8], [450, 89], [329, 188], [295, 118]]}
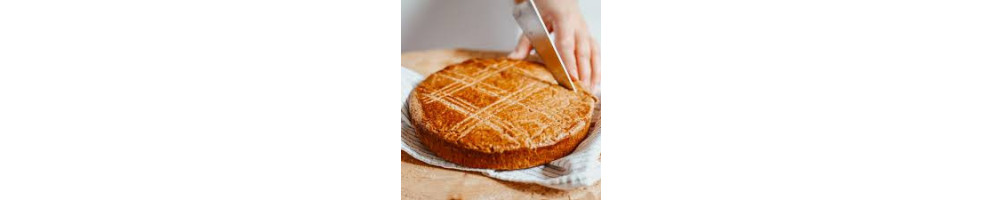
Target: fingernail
{"points": [[516, 54]]}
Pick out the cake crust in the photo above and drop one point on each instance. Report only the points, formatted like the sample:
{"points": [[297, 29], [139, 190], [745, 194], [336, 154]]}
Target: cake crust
{"points": [[499, 114]]}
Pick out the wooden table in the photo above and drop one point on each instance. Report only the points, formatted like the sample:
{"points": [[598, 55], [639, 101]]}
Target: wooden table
{"points": [[423, 181]]}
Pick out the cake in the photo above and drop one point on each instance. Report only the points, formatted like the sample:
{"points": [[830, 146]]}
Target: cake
{"points": [[499, 114]]}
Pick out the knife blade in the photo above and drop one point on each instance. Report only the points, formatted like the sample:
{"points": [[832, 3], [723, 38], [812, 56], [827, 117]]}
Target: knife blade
{"points": [[528, 18]]}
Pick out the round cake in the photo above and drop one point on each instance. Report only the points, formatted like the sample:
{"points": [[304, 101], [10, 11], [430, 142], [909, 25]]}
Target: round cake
{"points": [[499, 114]]}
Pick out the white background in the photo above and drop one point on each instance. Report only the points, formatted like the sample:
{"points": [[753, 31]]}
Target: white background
{"points": [[705, 100], [858, 99], [199, 99]]}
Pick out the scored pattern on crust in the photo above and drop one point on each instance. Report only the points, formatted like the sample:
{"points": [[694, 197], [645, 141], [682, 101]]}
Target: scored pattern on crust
{"points": [[486, 116], [493, 91], [492, 110]]}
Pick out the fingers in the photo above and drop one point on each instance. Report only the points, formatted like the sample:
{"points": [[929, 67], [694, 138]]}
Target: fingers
{"points": [[583, 50], [566, 48], [596, 75], [522, 49]]}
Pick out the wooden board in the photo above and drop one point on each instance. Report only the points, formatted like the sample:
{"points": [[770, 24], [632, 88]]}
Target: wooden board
{"points": [[423, 181]]}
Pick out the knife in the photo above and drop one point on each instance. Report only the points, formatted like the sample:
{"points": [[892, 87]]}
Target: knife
{"points": [[528, 17]]}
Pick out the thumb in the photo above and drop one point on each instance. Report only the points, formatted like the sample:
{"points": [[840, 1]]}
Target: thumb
{"points": [[521, 49]]}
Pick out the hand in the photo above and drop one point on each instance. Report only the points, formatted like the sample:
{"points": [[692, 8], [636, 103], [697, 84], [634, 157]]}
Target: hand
{"points": [[575, 44]]}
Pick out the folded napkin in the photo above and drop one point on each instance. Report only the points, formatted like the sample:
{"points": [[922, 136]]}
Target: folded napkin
{"points": [[579, 169]]}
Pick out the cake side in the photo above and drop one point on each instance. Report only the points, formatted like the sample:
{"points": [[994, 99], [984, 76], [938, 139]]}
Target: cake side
{"points": [[509, 160]]}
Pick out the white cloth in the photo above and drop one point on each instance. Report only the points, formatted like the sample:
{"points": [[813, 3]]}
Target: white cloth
{"points": [[579, 169]]}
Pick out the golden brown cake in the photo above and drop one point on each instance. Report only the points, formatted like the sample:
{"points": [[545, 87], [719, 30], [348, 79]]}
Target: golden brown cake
{"points": [[499, 114]]}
